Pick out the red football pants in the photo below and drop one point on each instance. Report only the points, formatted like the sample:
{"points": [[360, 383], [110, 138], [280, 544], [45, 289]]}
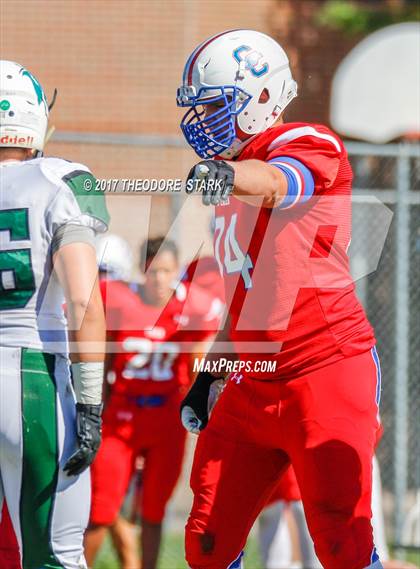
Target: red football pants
{"points": [[154, 433], [9, 548], [287, 488], [324, 423]]}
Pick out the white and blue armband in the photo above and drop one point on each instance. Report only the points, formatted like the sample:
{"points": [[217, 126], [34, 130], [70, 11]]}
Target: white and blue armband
{"points": [[300, 181]]}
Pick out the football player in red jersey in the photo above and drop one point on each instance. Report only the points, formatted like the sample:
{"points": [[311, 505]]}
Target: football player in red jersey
{"points": [[282, 193], [150, 325], [115, 263]]}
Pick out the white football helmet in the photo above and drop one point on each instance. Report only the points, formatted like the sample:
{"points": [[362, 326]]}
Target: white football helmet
{"points": [[114, 256], [246, 75], [23, 108]]}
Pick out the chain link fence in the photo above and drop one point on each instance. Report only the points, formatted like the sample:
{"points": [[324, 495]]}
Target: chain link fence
{"points": [[391, 296]]}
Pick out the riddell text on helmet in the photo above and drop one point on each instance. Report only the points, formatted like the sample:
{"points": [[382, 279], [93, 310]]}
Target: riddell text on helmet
{"points": [[13, 140]]}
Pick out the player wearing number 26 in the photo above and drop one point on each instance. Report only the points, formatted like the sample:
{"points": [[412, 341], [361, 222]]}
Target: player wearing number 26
{"points": [[282, 230], [49, 432], [151, 327]]}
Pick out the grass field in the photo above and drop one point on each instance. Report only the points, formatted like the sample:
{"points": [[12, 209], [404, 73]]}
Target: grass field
{"points": [[172, 555]]}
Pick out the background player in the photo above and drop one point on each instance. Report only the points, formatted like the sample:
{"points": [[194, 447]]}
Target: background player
{"points": [[47, 440], [205, 273], [115, 263], [148, 325], [288, 284], [274, 536]]}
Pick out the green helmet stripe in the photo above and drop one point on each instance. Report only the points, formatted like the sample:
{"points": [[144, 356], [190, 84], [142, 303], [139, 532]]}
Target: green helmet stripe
{"points": [[38, 89]]}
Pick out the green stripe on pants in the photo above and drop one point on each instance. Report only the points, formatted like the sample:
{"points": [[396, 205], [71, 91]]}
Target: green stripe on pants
{"points": [[40, 458]]}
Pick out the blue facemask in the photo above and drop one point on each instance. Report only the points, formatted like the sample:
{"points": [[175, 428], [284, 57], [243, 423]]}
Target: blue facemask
{"points": [[211, 134]]}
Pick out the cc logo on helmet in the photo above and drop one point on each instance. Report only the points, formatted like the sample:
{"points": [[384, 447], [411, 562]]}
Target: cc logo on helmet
{"points": [[252, 60]]}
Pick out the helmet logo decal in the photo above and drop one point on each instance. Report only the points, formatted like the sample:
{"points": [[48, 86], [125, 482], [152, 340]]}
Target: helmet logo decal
{"points": [[37, 87], [252, 60]]}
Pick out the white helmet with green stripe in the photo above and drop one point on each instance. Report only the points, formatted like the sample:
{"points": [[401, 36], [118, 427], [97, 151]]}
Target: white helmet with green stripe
{"points": [[23, 108]]}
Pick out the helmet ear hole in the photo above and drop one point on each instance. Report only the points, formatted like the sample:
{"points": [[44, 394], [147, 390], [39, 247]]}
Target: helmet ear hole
{"points": [[265, 96]]}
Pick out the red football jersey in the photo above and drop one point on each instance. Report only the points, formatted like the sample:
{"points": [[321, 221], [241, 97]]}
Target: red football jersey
{"points": [[288, 285], [154, 343], [204, 272]]}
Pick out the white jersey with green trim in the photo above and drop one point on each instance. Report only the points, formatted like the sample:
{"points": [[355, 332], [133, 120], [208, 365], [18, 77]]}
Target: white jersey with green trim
{"points": [[38, 197]]}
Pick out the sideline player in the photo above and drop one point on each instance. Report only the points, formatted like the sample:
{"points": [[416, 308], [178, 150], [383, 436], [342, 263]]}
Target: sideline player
{"points": [[283, 208], [149, 326], [205, 273], [115, 263], [49, 434]]}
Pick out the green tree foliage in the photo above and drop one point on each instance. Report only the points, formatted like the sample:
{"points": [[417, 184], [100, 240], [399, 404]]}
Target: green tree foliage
{"points": [[354, 18]]}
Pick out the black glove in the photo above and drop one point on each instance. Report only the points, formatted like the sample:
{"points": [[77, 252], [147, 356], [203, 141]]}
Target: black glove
{"points": [[215, 178], [89, 423], [194, 406]]}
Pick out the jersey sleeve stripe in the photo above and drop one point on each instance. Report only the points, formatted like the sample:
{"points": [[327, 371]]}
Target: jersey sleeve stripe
{"points": [[294, 185], [300, 182], [91, 203], [299, 132], [305, 175]]}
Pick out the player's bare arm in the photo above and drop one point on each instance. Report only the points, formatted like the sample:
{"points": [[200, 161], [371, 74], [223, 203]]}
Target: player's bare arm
{"points": [[85, 311], [255, 178], [87, 337]]}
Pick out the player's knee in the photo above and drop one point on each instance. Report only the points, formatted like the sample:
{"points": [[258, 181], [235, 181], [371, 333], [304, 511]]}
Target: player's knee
{"points": [[103, 512], [346, 544], [93, 526], [102, 519], [199, 547], [201, 550], [153, 514]]}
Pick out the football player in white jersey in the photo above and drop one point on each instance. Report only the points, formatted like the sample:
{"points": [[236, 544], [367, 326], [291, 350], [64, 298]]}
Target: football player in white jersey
{"points": [[49, 432]]}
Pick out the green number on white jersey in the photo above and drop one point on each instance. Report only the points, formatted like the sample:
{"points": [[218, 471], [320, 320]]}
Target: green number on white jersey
{"points": [[17, 280]]}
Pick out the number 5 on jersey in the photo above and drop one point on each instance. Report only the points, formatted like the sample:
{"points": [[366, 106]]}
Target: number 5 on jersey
{"points": [[17, 280]]}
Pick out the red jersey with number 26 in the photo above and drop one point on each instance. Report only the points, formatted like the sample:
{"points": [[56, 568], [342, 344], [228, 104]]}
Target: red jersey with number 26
{"points": [[288, 287], [154, 343]]}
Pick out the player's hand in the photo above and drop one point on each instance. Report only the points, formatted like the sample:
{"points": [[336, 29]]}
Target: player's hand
{"points": [[194, 406], [89, 423], [214, 178]]}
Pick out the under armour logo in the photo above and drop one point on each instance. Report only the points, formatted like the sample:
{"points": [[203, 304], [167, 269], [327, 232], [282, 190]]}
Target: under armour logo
{"points": [[236, 377]]}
